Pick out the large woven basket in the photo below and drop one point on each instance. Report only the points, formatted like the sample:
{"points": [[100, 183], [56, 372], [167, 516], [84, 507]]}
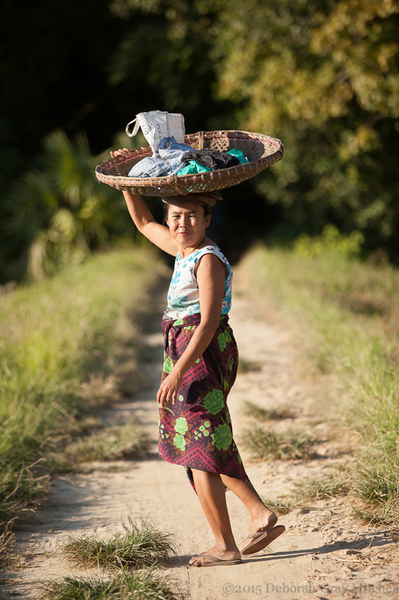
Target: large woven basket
{"points": [[260, 150]]}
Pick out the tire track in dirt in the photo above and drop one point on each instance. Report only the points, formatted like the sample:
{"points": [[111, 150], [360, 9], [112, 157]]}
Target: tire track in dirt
{"points": [[324, 552]]}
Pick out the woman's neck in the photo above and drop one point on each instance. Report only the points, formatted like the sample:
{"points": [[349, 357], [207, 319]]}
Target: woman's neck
{"points": [[186, 251]]}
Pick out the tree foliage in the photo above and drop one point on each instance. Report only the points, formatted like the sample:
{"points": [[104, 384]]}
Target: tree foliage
{"points": [[58, 211], [321, 76], [325, 78]]}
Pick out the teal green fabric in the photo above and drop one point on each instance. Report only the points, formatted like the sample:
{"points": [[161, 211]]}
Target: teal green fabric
{"points": [[192, 167], [238, 154]]}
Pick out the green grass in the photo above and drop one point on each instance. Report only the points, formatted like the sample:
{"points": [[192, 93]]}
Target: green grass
{"points": [[134, 549], [264, 443], [278, 505], [64, 346], [347, 314], [249, 366], [337, 482], [140, 585], [124, 441], [264, 414]]}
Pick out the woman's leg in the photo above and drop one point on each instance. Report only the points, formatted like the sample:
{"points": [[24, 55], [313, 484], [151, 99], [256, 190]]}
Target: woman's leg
{"points": [[262, 519], [262, 531], [211, 493]]}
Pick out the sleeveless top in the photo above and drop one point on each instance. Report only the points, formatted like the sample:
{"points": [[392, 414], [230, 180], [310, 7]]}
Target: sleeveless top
{"points": [[183, 294]]}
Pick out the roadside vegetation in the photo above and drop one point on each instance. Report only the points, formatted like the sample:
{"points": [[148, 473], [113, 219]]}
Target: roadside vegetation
{"points": [[136, 548], [264, 443], [69, 346], [127, 562], [348, 315], [143, 585]]}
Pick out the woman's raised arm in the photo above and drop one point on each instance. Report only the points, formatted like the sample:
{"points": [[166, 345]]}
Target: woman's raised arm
{"points": [[143, 218]]}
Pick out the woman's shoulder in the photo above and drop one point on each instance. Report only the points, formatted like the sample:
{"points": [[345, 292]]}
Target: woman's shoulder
{"points": [[210, 248], [213, 249]]}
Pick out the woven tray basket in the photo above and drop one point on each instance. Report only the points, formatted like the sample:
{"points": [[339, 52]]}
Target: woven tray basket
{"points": [[260, 150]]}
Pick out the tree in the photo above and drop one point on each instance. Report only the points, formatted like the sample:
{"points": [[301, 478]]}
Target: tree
{"points": [[59, 212], [325, 78], [322, 76]]}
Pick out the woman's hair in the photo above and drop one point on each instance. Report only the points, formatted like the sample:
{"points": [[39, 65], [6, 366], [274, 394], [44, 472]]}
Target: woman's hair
{"points": [[166, 205]]}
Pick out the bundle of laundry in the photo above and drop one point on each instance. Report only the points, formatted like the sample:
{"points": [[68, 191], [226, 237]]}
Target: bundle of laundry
{"points": [[181, 159]]}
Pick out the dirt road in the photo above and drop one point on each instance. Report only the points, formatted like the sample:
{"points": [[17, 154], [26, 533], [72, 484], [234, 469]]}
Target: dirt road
{"points": [[324, 553]]}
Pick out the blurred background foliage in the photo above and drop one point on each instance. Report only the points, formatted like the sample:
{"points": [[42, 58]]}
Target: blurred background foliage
{"points": [[321, 76]]}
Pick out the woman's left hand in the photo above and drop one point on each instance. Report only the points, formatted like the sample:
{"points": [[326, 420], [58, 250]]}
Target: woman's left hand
{"points": [[167, 393]]}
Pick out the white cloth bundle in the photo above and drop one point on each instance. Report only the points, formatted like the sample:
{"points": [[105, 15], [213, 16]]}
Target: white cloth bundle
{"points": [[157, 125]]}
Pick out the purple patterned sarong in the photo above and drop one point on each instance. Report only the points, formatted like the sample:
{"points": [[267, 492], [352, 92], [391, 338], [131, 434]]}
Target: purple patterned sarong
{"points": [[196, 432]]}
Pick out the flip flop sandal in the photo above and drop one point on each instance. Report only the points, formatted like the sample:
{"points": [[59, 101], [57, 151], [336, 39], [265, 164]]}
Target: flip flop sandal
{"points": [[215, 562], [261, 539]]}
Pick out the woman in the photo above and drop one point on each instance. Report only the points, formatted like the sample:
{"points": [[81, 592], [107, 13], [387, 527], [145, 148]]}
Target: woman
{"points": [[199, 369]]}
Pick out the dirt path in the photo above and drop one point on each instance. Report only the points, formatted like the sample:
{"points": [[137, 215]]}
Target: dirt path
{"points": [[324, 553]]}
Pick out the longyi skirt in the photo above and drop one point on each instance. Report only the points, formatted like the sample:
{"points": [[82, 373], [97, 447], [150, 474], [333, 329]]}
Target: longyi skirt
{"points": [[196, 432]]}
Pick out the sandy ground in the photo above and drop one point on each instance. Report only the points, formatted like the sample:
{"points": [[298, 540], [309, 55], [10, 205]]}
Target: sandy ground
{"points": [[324, 553]]}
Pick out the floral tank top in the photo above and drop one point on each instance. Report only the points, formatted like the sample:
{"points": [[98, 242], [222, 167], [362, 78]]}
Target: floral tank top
{"points": [[183, 294]]}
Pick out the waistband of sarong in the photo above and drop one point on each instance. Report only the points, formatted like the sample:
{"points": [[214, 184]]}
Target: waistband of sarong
{"points": [[189, 320]]}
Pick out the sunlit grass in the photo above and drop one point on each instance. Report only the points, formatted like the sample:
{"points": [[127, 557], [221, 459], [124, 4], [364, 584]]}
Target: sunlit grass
{"points": [[347, 315], [135, 548], [279, 506], [267, 414], [249, 366], [63, 345], [126, 585], [126, 440], [265, 443], [337, 482]]}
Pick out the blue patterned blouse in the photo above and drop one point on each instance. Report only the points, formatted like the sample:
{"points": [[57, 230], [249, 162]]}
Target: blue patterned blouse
{"points": [[183, 294]]}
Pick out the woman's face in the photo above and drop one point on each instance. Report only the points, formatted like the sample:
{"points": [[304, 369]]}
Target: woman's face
{"points": [[187, 224]]}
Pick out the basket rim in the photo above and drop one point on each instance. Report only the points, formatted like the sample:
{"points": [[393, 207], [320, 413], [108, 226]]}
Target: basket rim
{"points": [[187, 180]]}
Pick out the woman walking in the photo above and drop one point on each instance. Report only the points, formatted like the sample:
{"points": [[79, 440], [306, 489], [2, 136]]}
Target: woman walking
{"points": [[199, 369]]}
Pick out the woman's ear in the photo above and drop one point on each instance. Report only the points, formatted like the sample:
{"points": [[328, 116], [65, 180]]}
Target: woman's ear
{"points": [[207, 221]]}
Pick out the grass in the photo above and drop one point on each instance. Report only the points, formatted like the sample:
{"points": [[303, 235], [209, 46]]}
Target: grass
{"points": [[264, 414], [131, 557], [6, 539], [278, 505], [64, 346], [265, 443], [249, 366], [347, 314], [134, 549], [124, 441], [337, 482], [140, 585]]}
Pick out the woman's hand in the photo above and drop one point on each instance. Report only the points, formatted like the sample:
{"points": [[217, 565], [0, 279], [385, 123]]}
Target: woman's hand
{"points": [[121, 152], [167, 393]]}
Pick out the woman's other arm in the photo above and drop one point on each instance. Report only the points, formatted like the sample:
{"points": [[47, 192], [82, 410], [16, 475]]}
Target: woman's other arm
{"points": [[211, 278]]}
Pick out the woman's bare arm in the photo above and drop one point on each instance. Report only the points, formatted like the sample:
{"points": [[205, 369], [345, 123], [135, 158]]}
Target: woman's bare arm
{"points": [[211, 277], [143, 219]]}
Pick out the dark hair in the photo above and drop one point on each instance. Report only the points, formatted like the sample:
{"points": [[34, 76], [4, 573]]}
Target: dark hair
{"points": [[166, 205]]}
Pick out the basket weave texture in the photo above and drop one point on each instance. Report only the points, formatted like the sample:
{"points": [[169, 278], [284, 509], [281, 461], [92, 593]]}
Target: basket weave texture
{"points": [[260, 150]]}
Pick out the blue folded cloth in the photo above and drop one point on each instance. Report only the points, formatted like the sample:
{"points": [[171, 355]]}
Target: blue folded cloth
{"points": [[169, 163]]}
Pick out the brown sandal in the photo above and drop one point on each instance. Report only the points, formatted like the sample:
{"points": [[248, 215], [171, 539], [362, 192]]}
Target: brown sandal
{"points": [[261, 539]]}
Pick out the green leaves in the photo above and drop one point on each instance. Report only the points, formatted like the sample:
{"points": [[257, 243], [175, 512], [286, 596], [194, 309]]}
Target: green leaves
{"points": [[58, 212]]}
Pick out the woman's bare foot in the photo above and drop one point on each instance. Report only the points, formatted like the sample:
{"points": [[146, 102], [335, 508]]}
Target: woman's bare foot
{"points": [[264, 521], [262, 532], [225, 556]]}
